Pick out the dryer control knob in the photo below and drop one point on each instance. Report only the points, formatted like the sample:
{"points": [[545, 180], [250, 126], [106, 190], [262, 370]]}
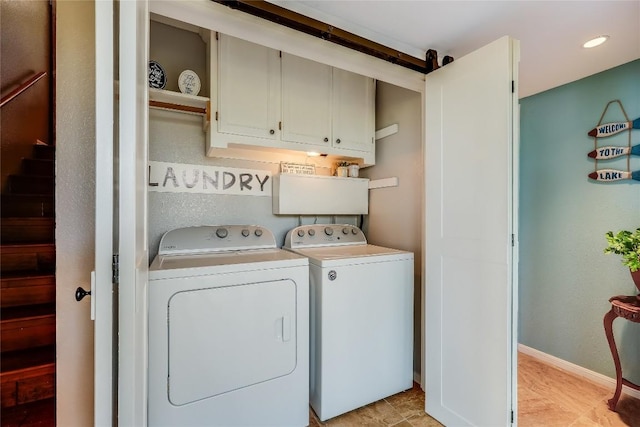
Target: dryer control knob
{"points": [[258, 232], [300, 233], [222, 233], [245, 232], [354, 231], [328, 231], [345, 231], [312, 232]]}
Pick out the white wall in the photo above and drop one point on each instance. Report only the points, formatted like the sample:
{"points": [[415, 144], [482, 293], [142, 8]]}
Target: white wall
{"points": [[75, 142], [395, 213], [178, 138]]}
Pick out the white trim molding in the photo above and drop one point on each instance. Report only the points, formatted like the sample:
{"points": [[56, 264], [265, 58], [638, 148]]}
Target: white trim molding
{"points": [[587, 374]]}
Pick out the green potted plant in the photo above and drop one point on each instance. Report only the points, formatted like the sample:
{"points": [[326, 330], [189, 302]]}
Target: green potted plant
{"points": [[627, 244]]}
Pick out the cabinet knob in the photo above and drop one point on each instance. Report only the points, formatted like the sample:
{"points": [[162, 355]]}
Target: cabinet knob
{"points": [[326, 140], [338, 141], [272, 131]]}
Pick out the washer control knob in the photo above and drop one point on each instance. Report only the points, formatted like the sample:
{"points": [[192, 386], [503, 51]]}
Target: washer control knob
{"points": [[245, 232], [222, 233], [328, 231], [354, 231], [345, 231], [312, 232], [258, 232], [300, 233]]}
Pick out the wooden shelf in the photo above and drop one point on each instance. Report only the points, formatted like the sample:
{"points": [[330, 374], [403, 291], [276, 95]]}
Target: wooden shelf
{"points": [[178, 98], [181, 102]]}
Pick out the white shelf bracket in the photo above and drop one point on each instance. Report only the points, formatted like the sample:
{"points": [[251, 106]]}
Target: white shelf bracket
{"points": [[384, 132], [383, 183]]}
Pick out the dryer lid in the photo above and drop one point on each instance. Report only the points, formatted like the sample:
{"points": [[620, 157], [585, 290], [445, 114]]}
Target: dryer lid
{"points": [[215, 238]]}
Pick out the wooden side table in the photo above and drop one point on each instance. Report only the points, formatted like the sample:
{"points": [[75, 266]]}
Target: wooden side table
{"points": [[627, 307]]}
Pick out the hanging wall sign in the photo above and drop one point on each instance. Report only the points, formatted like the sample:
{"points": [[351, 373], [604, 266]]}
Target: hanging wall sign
{"points": [[608, 129], [297, 168], [609, 175], [612, 152], [183, 178], [604, 153]]}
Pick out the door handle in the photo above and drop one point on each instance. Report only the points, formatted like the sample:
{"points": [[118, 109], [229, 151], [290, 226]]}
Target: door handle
{"points": [[286, 328], [81, 293]]}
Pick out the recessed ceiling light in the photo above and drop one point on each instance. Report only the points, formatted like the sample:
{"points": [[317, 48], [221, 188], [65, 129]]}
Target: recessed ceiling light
{"points": [[595, 42]]}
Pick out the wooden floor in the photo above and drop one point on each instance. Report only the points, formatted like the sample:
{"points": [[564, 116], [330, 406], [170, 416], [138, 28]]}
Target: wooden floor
{"points": [[547, 397]]}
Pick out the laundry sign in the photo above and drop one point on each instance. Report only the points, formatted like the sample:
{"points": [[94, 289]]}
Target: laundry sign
{"points": [[184, 178]]}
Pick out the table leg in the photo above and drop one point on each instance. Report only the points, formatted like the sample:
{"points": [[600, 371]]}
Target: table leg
{"points": [[608, 329]]}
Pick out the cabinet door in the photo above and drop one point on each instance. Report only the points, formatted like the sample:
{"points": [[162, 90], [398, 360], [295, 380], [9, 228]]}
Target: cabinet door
{"points": [[248, 88], [353, 111], [306, 101]]}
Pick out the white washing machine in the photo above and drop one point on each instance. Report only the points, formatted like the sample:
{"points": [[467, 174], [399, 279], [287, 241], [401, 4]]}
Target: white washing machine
{"points": [[228, 330], [361, 317]]}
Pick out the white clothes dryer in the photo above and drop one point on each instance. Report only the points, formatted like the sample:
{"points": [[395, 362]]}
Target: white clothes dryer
{"points": [[361, 343], [228, 330]]}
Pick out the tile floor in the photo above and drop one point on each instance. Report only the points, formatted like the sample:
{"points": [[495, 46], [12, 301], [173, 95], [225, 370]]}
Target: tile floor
{"points": [[547, 397], [402, 410]]}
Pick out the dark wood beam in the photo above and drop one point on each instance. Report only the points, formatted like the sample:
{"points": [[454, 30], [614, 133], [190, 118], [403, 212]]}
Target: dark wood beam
{"points": [[327, 32]]}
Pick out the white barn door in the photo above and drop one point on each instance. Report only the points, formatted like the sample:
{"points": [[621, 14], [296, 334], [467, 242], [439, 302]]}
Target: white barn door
{"points": [[102, 295], [471, 144], [132, 208], [121, 174]]}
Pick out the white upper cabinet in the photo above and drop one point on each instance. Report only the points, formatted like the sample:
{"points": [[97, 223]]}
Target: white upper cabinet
{"points": [[306, 101], [263, 98], [353, 111], [326, 107], [248, 89], [255, 98]]}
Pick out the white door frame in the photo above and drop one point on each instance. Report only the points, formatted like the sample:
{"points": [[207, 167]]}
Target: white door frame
{"points": [[214, 16]]}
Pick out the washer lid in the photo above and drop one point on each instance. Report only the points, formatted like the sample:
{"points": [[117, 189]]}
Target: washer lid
{"points": [[333, 255]]}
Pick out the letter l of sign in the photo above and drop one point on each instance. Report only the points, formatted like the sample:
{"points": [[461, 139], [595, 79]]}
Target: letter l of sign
{"points": [[151, 184]]}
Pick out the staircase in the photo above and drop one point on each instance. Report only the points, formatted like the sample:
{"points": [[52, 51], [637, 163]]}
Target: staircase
{"points": [[27, 294]]}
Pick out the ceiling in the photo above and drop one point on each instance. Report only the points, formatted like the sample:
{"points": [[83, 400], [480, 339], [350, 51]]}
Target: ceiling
{"points": [[551, 33]]}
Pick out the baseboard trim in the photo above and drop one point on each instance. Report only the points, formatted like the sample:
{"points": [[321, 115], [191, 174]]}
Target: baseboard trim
{"points": [[589, 375], [416, 377]]}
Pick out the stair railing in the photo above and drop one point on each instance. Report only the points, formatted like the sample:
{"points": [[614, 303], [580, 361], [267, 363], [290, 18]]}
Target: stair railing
{"points": [[20, 89]]}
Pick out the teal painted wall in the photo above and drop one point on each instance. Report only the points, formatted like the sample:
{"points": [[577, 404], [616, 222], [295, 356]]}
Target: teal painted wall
{"points": [[565, 280]]}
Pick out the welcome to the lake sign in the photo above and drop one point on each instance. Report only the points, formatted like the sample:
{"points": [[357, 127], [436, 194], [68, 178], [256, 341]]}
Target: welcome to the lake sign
{"points": [[612, 152], [184, 178]]}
